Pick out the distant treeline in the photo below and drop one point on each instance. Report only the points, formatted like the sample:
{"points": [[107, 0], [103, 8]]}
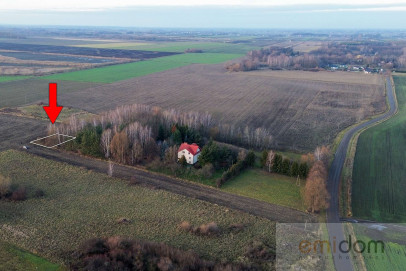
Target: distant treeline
{"points": [[387, 55]]}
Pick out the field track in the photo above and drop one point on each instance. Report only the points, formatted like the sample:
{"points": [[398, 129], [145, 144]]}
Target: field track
{"points": [[266, 210]]}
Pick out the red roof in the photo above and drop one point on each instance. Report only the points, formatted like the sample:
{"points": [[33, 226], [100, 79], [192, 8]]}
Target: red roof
{"points": [[192, 148]]}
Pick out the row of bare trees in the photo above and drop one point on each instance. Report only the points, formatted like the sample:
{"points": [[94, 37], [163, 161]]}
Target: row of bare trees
{"points": [[142, 123]]}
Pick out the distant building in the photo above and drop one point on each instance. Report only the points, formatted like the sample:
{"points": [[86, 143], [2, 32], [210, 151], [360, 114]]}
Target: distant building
{"points": [[190, 151]]}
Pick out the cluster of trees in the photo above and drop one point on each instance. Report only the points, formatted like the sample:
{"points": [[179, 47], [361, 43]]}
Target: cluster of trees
{"points": [[117, 253], [219, 156], [374, 54], [132, 133], [276, 163], [316, 195], [8, 191]]}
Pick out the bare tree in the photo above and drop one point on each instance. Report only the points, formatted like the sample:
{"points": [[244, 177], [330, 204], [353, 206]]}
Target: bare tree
{"points": [[105, 141], [269, 160]]}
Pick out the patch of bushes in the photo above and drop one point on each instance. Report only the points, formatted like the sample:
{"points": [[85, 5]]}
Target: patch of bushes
{"points": [[209, 229], [7, 191], [117, 253]]}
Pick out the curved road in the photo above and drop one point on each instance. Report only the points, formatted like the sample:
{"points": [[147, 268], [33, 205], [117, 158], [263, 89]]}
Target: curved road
{"points": [[333, 218]]}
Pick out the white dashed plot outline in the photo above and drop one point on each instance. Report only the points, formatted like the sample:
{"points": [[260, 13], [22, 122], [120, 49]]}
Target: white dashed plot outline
{"points": [[57, 134]]}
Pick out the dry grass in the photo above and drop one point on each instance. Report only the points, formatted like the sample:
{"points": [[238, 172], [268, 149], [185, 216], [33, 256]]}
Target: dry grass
{"points": [[79, 205]]}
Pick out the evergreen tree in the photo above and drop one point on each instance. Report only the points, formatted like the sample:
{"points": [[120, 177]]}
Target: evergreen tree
{"points": [[285, 168], [277, 163], [294, 171], [303, 170], [177, 137], [161, 133], [250, 159], [264, 156], [209, 154]]}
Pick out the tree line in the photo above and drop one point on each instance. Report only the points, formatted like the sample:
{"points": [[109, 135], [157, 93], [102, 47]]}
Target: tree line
{"points": [[386, 55]]}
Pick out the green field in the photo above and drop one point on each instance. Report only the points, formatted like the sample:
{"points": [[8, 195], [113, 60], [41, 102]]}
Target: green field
{"points": [[115, 73], [379, 176], [207, 47], [4, 78], [13, 258], [80, 204], [272, 188], [393, 257]]}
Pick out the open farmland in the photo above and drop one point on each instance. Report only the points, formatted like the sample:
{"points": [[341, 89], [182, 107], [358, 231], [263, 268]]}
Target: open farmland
{"points": [[300, 113], [130, 70], [22, 92], [379, 167], [12, 78], [179, 46], [80, 204], [82, 51], [17, 131]]}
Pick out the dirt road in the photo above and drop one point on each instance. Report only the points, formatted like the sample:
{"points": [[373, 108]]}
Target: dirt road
{"points": [[252, 206]]}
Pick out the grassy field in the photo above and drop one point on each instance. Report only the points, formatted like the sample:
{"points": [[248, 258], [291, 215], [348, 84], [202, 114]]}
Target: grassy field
{"points": [[22, 92], [207, 47], [13, 258], [115, 73], [5, 78], [393, 257], [301, 113], [80, 204], [272, 188], [379, 167]]}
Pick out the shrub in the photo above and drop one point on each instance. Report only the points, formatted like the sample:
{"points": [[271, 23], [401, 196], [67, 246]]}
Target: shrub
{"points": [[208, 229], [250, 159], [183, 161], [185, 226], [134, 181], [19, 195], [285, 169], [39, 193], [4, 186]]}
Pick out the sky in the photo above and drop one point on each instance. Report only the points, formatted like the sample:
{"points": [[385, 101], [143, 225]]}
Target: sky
{"points": [[345, 14]]}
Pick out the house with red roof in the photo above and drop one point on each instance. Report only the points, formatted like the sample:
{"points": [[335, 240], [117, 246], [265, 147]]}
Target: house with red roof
{"points": [[190, 151]]}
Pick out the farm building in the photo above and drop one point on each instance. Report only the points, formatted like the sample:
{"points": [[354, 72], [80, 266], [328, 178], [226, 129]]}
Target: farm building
{"points": [[190, 151]]}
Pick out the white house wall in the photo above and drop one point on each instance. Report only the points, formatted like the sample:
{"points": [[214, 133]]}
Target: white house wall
{"points": [[190, 158]]}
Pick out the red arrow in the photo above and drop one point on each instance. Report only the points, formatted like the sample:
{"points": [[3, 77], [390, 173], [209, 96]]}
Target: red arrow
{"points": [[53, 109]]}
